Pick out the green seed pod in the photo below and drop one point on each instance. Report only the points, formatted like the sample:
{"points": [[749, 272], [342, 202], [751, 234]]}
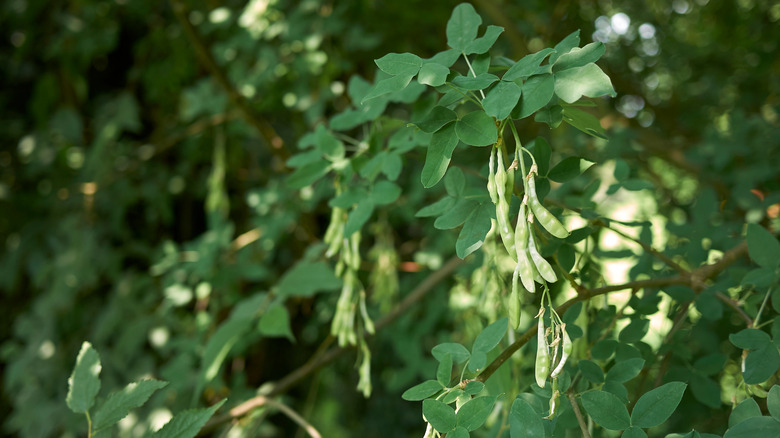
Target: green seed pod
{"points": [[504, 229], [525, 268], [514, 304], [542, 265], [566, 349], [542, 367], [491, 185], [543, 216], [500, 174]]}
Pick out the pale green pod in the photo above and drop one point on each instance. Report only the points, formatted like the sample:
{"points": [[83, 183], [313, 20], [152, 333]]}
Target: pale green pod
{"points": [[500, 174], [504, 230], [491, 185], [542, 368], [514, 303], [526, 269], [543, 216], [566, 349], [542, 265]]}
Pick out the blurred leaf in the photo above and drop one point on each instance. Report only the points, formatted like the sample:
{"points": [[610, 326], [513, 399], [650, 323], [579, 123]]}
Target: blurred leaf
{"points": [[307, 278], [187, 424], [84, 382], [763, 247]]}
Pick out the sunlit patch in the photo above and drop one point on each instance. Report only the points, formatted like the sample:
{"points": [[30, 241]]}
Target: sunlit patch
{"points": [[158, 418], [620, 23], [46, 350], [159, 336], [219, 15]]}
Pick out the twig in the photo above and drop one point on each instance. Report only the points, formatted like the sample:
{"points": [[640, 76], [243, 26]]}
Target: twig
{"points": [[734, 305], [259, 401], [576, 408]]}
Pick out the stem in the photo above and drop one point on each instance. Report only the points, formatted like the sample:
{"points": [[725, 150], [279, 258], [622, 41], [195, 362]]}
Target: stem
{"points": [[576, 408], [761, 310], [472, 72]]}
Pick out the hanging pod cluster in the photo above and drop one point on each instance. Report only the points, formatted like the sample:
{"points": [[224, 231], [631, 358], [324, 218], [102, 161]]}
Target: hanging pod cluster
{"points": [[560, 346]]}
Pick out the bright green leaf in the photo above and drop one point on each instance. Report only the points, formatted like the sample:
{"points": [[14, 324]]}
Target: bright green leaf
{"points": [[537, 92], [524, 422], [606, 410], [187, 424], [746, 409], [445, 58], [458, 432], [462, 27], [579, 57], [569, 168], [275, 322], [484, 43], [491, 336], [399, 63], [473, 414], [477, 129], [422, 390], [119, 404], [565, 46], [552, 116], [458, 352], [657, 405], [588, 80], [526, 66], [476, 227], [84, 381], [455, 182], [438, 156], [439, 415], [501, 99], [477, 361], [433, 74], [763, 247]]}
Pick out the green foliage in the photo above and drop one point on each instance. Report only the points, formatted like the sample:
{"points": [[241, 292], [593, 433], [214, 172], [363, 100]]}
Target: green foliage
{"points": [[239, 202]]}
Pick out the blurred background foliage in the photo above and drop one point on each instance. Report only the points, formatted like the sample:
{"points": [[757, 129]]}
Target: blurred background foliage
{"points": [[142, 182]]}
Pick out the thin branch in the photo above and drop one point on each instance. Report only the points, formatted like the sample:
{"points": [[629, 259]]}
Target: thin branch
{"points": [[576, 408], [202, 52], [734, 305], [259, 401]]}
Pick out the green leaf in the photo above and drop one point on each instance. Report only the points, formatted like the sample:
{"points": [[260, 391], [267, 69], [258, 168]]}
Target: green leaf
{"points": [[755, 427], [657, 405], [477, 129], [458, 352], [358, 216], [524, 422], [476, 227], [491, 335], [422, 390], [750, 339], [439, 415], [746, 409], [634, 432], [477, 361], [456, 216], [484, 43], [433, 74], [387, 86], [462, 27], [275, 322], [472, 414], [579, 57], [626, 370], [399, 63], [588, 80], [541, 151], [552, 116], [474, 387], [349, 197], [569, 168], [455, 182], [591, 371], [392, 165], [437, 208], [705, 390], [480, 82], [760, 277], [761, 364], [187, 424], [385, 192], [444, 370], [526, 66], [710, 364], [773, 402], [219, 345], [763, 247], [438, 156], [307, 278], [537, 92], [436, 118], [119, 404], [84, 381], [565, 46], [445, 58], [501, 99], [606, 409], [583, 121], [458, 432], [308, 174]]}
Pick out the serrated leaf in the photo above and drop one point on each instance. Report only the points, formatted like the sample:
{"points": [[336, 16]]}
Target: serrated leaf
{"points": [[84, 381], [526, 66], [588, 80], [462, 27], [565, 46], [119, 404], [625, 370], [579, 57], [750, 339], [657, 405], [480, 82], [755, 427], [422, 391], [491, 336], [307, 278], [385, 192], [606, 410], [583, 121], [439, 415], [476, 227], [438, 155], [399, 63], [569, 168], [437, 118], [763, 247], [456, 216], [477, 129], [485, 42], [472, 414], [761, 364], [358, 216], [187, 424], [444, 370], [537, 92], [458, 352], [388, 85], [275, 322], [524, 422], [501, 99], [433, 74]]}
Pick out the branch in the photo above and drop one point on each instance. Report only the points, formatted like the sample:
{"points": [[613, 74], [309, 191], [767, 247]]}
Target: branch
{"points": [[696, 280], [286, 410], [319, 360], [576, 408], [204, 56]]}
